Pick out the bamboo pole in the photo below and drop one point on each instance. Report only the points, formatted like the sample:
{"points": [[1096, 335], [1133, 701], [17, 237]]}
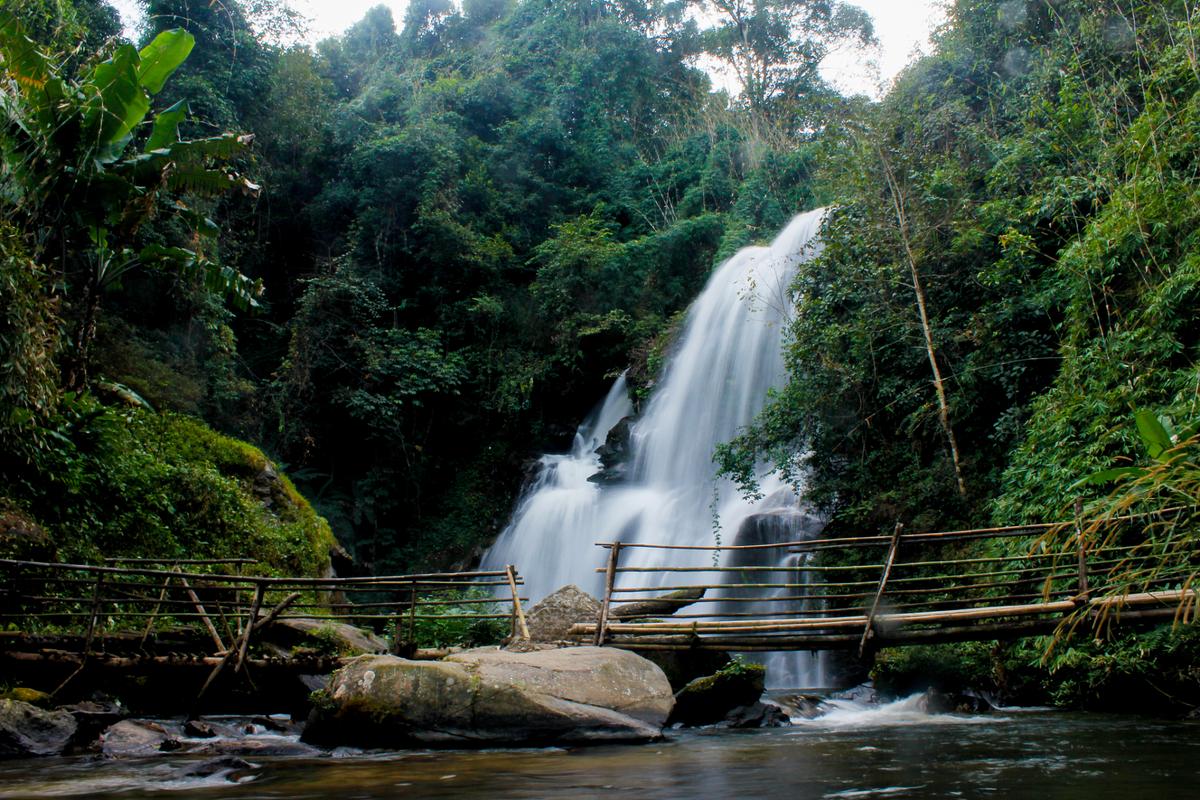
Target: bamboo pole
{"points": [[614, 554], [255, 605], [1165, 598], [465, 578], [1082, 550], [518, 612], [274, 613], [208, 625], [883, 579], [412, 614], [150, 623], [91, 632], [814, 568]]}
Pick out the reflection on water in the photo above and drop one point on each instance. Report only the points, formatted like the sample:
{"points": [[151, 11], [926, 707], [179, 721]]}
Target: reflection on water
{"points": [[892, 751]]}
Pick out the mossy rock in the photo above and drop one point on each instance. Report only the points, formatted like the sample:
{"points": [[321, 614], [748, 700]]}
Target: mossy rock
{"points": [[707, 700], [489, 697], [33, 697]]}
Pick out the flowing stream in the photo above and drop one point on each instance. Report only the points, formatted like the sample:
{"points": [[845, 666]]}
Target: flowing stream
{"points": [[716, 379], [890, 751]]}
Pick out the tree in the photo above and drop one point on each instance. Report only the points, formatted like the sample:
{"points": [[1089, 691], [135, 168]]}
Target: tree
{"points": [[775, 47], [82, 191]]}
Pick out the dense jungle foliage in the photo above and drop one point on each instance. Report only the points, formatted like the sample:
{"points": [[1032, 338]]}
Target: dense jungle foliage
{"points": [[442, 240], [407, 259]]}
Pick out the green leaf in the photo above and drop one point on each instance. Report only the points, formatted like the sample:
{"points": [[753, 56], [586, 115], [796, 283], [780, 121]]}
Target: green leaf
{"points": [[166, 127], [209, 182], [1154, 435], [1106, 476], [162, 57], [158, 253], [117, 103], [23, 62]]}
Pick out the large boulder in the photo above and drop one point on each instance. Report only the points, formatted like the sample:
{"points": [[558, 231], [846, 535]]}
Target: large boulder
{"points": [[551, 618], [708, 700], [489, 696], [26, 730]]}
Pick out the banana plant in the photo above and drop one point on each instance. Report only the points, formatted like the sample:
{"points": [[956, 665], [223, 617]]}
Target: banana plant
{"points": [[1162, 441], [86, 164]]}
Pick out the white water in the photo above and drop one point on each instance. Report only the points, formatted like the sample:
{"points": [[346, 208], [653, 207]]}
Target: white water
{"points": [[840, 715], [716, 380]]}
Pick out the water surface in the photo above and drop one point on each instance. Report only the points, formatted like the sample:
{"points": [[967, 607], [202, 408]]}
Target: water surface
{"points": [[893, 752]]}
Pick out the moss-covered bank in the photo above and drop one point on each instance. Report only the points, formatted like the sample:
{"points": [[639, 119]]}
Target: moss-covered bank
{"points": [[129, 482]]}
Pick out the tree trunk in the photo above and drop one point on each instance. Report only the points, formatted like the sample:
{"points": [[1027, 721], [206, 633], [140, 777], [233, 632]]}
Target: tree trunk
{"points": [[922, 307], [85, 333]]}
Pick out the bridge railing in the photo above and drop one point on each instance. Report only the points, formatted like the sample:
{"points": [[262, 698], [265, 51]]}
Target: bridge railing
{"points": [[218, 602], [862, 592]]}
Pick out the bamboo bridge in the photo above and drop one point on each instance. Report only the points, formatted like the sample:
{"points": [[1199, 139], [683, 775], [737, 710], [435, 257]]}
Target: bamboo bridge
{"points": [[200, 622], [867, 592], [851, 593]]}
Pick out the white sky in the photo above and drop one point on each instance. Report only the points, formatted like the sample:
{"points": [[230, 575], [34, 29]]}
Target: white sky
{"points": [[902, 26]]}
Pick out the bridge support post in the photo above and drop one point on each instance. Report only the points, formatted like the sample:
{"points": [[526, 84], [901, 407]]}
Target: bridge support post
{"points": [[869, 628], [1084, 593], [610, 578], [518, 624]]}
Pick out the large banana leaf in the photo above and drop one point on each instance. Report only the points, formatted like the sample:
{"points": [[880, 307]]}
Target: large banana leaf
{"points": [[166, 127], [116, 103], [162, 57]]}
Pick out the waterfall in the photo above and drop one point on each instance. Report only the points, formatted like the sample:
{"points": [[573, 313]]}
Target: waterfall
{"points": [[716, 379]]}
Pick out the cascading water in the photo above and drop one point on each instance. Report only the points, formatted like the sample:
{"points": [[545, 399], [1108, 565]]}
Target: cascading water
{"points": [[716, 380]]}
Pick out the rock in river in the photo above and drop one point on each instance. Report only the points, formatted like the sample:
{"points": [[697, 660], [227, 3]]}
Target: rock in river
{"points": [[26, 730], [489, 696], [552, 617], [705, 701]]}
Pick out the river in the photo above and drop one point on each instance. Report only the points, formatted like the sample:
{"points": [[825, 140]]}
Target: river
{"points": [[893, 751]]}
